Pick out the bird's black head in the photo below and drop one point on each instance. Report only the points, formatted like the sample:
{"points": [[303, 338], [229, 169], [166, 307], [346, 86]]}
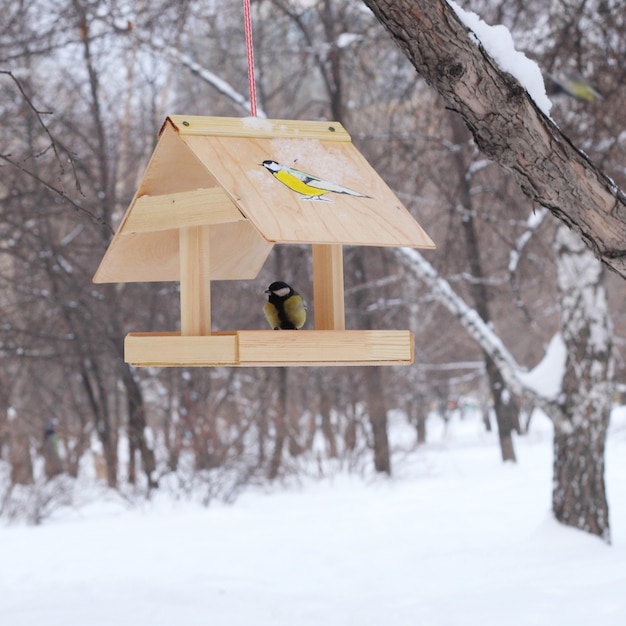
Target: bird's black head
{"points": [[280, 289]]}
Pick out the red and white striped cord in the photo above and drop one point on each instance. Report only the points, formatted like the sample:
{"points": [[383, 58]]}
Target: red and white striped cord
{"points": [[250, 53]]}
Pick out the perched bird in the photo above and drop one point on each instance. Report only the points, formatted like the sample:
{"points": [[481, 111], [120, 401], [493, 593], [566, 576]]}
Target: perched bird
{"points": [[574, 85], [310, 186], [285, 309]]}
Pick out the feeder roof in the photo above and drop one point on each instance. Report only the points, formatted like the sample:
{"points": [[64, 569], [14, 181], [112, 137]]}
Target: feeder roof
{"points": [[209, 171]]}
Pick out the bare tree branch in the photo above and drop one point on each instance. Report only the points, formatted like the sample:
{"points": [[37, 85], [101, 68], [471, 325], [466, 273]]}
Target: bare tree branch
{"points": [[53, 145], [57, 191]]}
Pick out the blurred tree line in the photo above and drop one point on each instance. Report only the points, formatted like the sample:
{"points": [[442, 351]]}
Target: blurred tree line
{"points": [[85, 86]]}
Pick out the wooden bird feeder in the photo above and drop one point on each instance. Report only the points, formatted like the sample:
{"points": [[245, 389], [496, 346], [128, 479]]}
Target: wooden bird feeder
{"points": [[207, 209]]}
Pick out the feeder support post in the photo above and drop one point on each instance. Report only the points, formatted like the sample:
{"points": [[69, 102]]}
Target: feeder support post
{"points": [[195, 281], [328, 299]]}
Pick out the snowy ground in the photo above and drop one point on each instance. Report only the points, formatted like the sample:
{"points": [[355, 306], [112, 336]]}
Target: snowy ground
{"points": [[456, 538]]}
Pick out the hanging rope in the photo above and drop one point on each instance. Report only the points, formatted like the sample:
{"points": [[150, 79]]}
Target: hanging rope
{"points": [[250, 52]]}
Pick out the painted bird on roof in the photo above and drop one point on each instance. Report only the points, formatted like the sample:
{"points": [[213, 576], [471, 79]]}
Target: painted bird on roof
{"points": [[285, 309], [308, 185]]}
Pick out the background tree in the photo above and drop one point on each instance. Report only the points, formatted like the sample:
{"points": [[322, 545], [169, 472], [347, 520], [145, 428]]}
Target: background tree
{"points": [[89, 86], [458, 85]]}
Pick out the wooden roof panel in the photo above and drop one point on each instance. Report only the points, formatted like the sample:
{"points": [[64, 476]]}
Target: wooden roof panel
{"points": [[208, 171], [154, 256], [283, 216]]}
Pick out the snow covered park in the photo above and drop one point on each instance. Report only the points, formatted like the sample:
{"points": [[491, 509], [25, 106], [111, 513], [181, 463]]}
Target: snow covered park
{"points": [[456, 537]]}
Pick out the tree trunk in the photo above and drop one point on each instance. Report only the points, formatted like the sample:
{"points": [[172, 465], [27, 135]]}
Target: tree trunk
{"points": [[505, 409], [420, 420], [378, 418], [19, 455], [374, 387], [98, 400], [349, 436], [507, 125], [53, 466], [504, 405], [280, 425], [326, 425], [579, 494], [585, 397], [136, 429]]}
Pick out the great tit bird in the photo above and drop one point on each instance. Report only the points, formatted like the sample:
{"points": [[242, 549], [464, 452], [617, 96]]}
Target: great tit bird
{"points": [[310, 186], [574, 85], [285, 309]]}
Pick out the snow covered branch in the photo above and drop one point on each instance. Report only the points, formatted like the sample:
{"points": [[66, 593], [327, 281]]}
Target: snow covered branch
{"points": [[477, 76], [521, 382], [534, 221]]}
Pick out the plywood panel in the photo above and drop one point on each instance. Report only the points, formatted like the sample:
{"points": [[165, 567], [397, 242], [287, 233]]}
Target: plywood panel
{"points": [[325, 347], [173, 167], [227, 153], [271, 348], [237, 251], [284, 216], [257, 127], [140, 257], [184, 208], [172, 350]]}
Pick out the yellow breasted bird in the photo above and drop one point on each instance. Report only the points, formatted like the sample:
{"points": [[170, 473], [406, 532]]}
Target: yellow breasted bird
{"points": [[574, 85], [285, 309], [310, 186]]}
